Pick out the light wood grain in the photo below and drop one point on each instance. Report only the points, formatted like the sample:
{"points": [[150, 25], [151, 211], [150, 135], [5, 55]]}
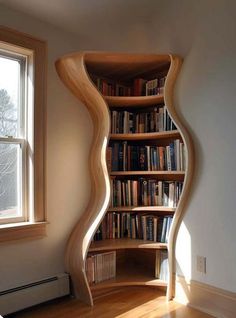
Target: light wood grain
{"points": [[71, 70], [160, 175], [129, 302], [137, 209], [25, 230], [125, 66], [134, 101], [130, 277], [125, 243], [175, 66], [147, 136]]}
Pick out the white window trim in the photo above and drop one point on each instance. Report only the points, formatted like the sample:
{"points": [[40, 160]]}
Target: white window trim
{"points": [[36, 51], [26, 128]]}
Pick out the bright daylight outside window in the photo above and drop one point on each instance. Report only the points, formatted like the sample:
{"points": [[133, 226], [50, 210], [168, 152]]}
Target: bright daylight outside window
{"points": [[14, 129]]}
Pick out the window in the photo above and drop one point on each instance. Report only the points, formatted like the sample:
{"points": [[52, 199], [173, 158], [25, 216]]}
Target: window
{"points": [[22, 131]]}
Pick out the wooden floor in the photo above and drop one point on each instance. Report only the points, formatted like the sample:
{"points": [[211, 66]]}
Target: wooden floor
{"points": [[132, 302]]}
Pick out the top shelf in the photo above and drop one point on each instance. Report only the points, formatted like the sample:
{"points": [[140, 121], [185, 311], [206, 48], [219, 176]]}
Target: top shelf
{"points": [[125, 66], [134, 101]]}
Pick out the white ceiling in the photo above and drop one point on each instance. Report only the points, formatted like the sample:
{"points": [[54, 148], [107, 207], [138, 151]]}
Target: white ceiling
{"points": [[77, 15]]}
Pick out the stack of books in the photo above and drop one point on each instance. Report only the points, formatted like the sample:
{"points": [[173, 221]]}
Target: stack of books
{"points": [[100, 267], [162, 268], [155, 86]]}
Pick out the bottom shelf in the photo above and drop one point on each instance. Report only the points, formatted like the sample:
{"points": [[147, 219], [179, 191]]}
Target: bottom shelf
{"points": [[129, 278], [133, 268], [128, 267]]}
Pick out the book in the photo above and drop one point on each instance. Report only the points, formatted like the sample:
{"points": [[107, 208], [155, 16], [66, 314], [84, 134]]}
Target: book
{"points": [[100, 267]]}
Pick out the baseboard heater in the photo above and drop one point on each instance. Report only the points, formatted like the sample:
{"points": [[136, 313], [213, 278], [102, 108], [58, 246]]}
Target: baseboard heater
{"points": [[22, 297]]}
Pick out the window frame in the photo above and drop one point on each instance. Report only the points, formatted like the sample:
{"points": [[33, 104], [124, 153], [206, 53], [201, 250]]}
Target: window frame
{"points": [[35, 224], [25, 59]]}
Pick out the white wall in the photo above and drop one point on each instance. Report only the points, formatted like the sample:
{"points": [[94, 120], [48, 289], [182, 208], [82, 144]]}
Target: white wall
{"points": [[69, 133], [203, 33]]}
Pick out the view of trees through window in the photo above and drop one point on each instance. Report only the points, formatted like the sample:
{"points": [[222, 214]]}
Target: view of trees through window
{"points": [[10, 149]]}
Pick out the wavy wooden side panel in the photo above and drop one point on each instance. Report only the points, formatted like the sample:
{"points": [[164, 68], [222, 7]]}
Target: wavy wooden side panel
{"points": [[181, 208], [72, 72]]}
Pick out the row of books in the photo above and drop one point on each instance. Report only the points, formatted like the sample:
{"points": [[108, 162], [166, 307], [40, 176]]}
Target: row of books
{"points": [[156, 120], [145, 192], [124, 157], [138, 87], [141, 226], [100, 267], [155, 86]]}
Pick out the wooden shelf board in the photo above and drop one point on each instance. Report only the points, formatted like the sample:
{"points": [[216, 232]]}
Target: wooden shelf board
{"points": [[142, 209], [130, 278], [125, 243], [124, 66], [134, 101], [147, 173], [147, 136]]}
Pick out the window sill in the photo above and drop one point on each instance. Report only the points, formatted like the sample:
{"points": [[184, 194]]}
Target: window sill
{"points": [[24, 230]]}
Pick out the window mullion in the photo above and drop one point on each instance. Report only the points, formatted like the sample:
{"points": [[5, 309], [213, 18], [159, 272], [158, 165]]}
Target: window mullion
{"points": [[12, 140]]}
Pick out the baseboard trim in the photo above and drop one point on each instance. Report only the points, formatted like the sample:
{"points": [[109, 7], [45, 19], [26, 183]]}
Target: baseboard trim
{"points": [[21, 297], [209, 299]]}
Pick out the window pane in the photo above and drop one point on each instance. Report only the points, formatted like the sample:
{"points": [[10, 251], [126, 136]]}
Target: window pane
{"points": [[10, 180], [10, 96]]}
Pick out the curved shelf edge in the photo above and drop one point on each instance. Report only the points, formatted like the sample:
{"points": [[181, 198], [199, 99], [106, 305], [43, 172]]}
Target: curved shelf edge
{"points": [[175, 66], [147, 136], [118, 244], [135, 101], [73, 73], [144, 208]]}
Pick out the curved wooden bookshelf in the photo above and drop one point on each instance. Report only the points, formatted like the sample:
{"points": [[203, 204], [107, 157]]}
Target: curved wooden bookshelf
{"points": [[75, 70]]}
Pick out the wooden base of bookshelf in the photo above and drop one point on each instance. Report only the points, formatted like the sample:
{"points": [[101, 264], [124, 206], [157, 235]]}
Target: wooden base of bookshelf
{"points": [[126, 243], [128, 277]]}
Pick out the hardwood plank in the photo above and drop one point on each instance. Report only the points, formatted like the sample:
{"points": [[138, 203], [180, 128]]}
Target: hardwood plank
{"points": [[130, 302]]}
